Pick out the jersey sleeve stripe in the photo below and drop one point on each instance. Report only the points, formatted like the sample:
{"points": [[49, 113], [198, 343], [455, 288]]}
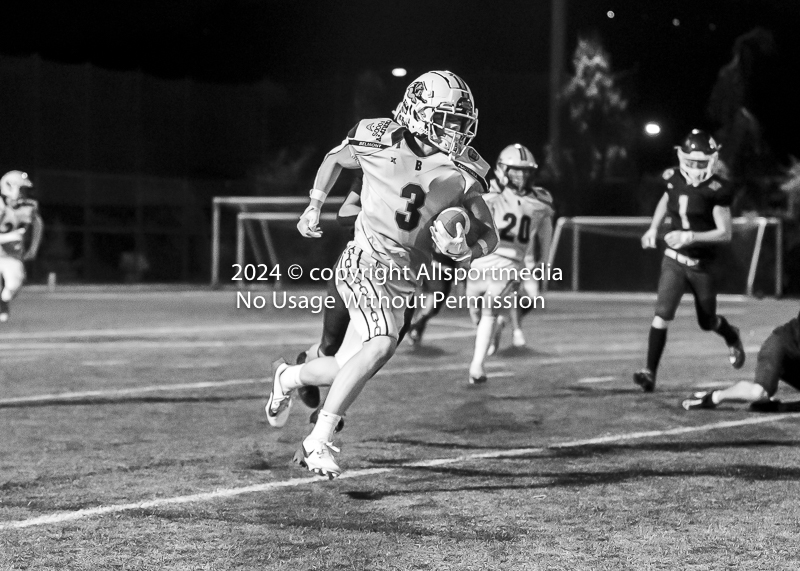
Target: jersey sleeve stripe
{"points": [[474, 175], [372, 144]]}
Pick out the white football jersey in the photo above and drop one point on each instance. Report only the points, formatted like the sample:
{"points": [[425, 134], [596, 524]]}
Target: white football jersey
{"points": [[517, 219], [403, 192], [19, 217]]}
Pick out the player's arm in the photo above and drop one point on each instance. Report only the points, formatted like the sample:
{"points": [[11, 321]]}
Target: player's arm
{"points": [[349, 210], [649, 238], [12, 236], [720, 235], [37, 231], [327, 174], [481, 216]]}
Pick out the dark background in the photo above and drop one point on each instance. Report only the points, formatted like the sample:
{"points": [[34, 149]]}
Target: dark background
{"points": [[178, 101]]}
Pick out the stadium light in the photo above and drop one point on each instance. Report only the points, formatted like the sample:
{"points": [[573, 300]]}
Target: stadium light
{"points": [[610, 13], [652, 129], [399, 72]]}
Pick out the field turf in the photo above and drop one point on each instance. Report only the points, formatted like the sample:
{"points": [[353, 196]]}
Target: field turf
{"points": [[133, 436]]}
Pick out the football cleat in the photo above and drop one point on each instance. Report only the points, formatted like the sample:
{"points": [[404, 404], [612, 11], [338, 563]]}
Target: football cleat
{"points": [[279, 403], [479, 380], [414, 338], [519, 338], [4, 311], [702, 399], [645, 379], [736, 353], [315, 415], [319, 459]]}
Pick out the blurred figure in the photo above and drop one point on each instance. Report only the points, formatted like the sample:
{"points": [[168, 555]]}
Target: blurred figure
{"points": [[21, 229], [520, 211], [698, 204], [778, 359]]}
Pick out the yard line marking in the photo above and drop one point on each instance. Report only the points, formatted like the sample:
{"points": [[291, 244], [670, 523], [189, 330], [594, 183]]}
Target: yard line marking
{"points": [[160, 331], [215, 384], [589, 380], [294, 482], [109, 363], [130, 391]]}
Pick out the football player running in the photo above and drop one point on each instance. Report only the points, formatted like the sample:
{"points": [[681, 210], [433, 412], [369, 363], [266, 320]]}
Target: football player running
{"points": [[541, 227], [698, 205], [21, 229], [520, 211], [414, 166], [778, 359]]}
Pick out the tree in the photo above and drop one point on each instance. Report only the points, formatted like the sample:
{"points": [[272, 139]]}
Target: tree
{"points": [[598, 112]]}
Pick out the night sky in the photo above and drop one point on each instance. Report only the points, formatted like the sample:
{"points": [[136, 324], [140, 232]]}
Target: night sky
{"points": [[667, 69]]}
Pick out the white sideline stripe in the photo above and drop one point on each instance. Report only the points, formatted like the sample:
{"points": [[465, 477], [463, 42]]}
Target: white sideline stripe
{"points": [[160, 331], [589, 380], [294, 482], [131, 391], [216, 384]]}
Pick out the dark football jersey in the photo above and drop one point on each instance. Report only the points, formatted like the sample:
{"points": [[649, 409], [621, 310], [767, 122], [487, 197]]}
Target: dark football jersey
{"points": [[790, 333], [691, 207]]}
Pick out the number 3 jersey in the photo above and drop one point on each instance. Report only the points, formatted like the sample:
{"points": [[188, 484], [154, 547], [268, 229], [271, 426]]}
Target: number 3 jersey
{"points": [[403, 192], [517, 219], [692, 207]]}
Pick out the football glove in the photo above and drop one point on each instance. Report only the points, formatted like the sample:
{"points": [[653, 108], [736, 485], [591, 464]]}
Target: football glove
{"points": [[308, 225], [679, 238], [454, 247]]}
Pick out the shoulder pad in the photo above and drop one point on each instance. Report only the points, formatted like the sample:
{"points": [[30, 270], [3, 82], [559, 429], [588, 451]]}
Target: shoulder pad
{"points": [[542, 195], [494, 186], [668, 174], [470, 162], [376, 133]]}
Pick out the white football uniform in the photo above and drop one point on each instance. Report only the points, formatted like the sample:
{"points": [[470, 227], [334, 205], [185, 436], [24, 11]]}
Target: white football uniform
{"points": [[402, 194], [518, 219], [12, 269]]}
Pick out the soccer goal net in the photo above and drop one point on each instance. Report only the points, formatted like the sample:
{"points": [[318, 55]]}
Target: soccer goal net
{"points": [[598, 253], [251, 235]]}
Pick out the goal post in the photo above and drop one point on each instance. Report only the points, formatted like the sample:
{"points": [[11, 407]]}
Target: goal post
{"points": [[276, 209], [602, 234]]}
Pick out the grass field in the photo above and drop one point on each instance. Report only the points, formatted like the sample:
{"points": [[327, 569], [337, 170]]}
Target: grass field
{"points": [[133, 436]]}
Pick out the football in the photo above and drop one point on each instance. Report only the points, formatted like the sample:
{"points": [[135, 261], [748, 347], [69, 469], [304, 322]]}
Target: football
{"points": [[451, 217]]}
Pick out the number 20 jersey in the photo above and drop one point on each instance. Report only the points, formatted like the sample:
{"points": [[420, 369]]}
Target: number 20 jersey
{"points": [[517, 219], [691, 207], [403, 193]]}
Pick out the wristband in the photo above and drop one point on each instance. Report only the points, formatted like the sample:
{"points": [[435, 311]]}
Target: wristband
{"points": [[317, 194]]}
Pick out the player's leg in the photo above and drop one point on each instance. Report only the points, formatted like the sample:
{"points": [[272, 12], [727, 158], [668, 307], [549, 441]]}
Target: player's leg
{"points": [[705, 299], [770, 368], [288, 378], [334, 327], [378, 327], [429, 310], [529, 289], [13, 276], [485, 332], [671, 285]]}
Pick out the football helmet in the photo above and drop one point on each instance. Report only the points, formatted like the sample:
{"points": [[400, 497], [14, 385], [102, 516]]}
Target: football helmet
{"points": [[11, 184], [438, 106], [521, 159], [697, 156]]}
